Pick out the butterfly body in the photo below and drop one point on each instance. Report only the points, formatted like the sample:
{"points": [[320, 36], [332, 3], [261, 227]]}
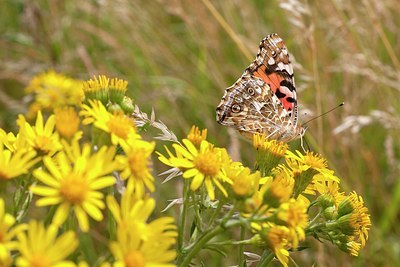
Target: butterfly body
{"points": [[263, 99]]}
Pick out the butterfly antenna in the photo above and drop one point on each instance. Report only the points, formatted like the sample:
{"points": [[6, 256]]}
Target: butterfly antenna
{"points": [[326, 112]]}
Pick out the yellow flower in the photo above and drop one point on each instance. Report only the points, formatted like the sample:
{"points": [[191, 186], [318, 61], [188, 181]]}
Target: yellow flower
{"points": [[42, 136], [269, 153], [41, 247], [7, 229], [278, 189], [278, 149], [196, 136], [133, 212], [14, 164], [293, 214], [350, 247], [329, 193], [118, 125], [140, 243], [354, 218], [136, 164], [52, 90], [76, 184], [130, 250], [118, 88], [244, 183], [67, 122], [307, 167], [97, 89], [277, 238], [203, 165]]}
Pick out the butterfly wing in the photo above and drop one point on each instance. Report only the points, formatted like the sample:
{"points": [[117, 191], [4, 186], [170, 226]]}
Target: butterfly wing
{"points": [[252, 107], [263, 100]]}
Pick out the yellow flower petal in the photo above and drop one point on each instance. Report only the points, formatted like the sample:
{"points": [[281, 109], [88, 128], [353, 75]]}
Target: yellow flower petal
{"points": [[197, 181]]}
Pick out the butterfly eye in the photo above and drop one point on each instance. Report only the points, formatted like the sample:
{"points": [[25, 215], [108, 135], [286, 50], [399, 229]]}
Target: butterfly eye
{"points": [[250, 91], [235, 108]]}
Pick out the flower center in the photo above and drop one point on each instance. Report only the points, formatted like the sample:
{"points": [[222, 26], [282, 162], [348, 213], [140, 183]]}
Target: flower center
{"points": [[137, 163], [43, 144], [120, 125], [208, 163], [277, 237], [38, 260], [134, 259], [74, 188], [314, 161]]}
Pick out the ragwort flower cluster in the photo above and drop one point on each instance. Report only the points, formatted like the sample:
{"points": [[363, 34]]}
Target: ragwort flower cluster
{"points": [[79, 157], [276, 202], [82, 146]]}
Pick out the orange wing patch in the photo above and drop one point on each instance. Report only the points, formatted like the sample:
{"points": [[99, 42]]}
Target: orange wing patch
{"points": [[274, 80]]}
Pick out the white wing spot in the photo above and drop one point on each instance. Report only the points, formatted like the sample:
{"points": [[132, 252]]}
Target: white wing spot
{"points": [[271, 61]]}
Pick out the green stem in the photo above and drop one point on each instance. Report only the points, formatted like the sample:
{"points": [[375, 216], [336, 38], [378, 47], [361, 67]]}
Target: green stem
{"points": [[199, 221], [266, 258], [315, 218], [182, 217], [233, 243], [185, 258], [241, 248], [215, 213], [316, 226]]}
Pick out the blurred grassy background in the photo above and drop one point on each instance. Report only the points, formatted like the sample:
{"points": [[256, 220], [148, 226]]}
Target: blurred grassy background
{"points": [[180, 55]]}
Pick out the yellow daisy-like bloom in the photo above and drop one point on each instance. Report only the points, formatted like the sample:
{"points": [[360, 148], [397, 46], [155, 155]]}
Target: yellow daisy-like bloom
{"points": [[350, 247], [293, 214], [196, 136], [140, 243], [118, 88], [67, 122], [204, 165], [41, 247], [269, 152], [278, 149], [105, 89], [134, 212], [118, 125], [329, 193], [7, 229], [307, 167], [76, 184], [354, 218], [42, 136], [131, 251], [97, 88], [13, 142], [52, 90], [309, 161], [277, 238], [278, 189], [244, 183], [136, 165], [14, 164]]}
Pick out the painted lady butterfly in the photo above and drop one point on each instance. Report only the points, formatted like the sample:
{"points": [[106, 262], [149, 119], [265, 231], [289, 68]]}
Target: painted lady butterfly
{"points": [[264, 99]]}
